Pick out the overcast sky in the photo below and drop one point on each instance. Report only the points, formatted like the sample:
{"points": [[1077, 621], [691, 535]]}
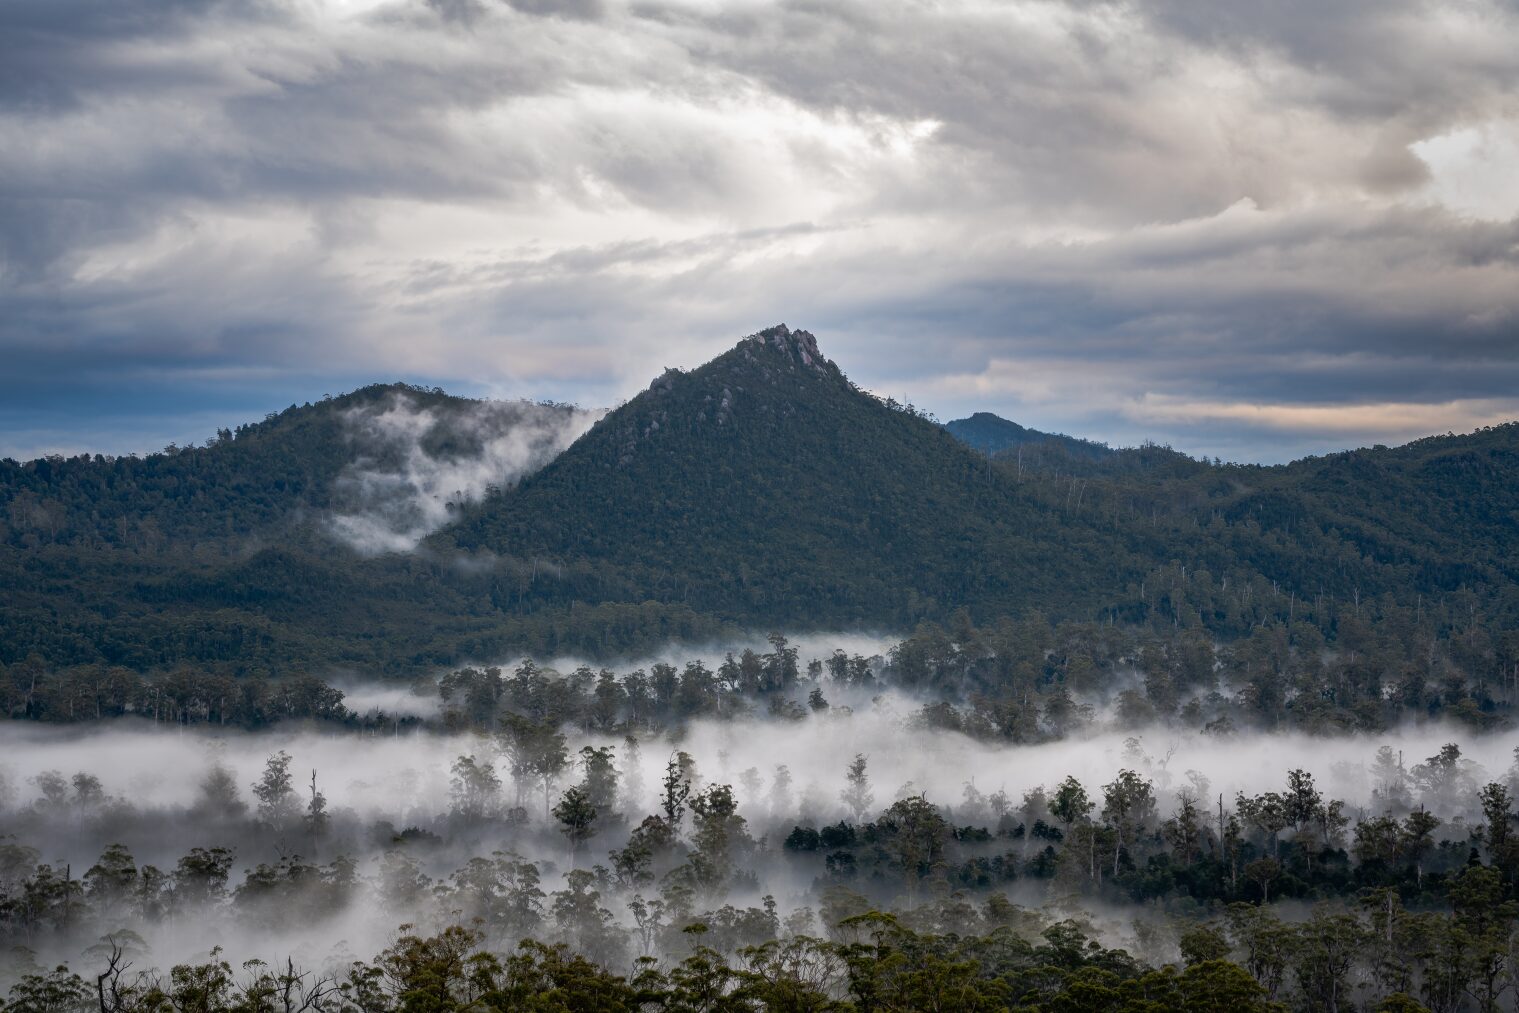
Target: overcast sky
{"points": [[1252, 230]]}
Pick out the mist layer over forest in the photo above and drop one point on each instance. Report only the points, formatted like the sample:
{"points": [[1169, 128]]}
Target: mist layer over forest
{"points": [[782, 800], [377, 776]]}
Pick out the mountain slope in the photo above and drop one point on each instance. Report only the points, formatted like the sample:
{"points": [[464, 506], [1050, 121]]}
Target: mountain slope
{"points": [[239, 553], [1434, 516], [256, 480], [761, 490], [281, 478], [766, 487]]}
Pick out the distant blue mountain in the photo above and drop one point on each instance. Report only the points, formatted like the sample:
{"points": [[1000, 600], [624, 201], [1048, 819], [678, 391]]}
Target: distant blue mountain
{"points": [[992, 434]]}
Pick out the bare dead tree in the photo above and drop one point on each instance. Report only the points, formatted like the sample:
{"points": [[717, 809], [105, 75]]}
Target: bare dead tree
{"points": [[301, 991], [108, 982]]}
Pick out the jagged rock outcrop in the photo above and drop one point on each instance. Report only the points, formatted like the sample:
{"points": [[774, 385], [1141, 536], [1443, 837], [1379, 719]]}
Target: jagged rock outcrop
{"points": [[801, 347]]}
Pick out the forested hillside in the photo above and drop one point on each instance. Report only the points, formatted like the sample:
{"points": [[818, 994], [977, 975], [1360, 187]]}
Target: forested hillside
{"points": [[1435, 518], [765, 487], [761, 490], [265, 481], [241, 486], [240, 554]]}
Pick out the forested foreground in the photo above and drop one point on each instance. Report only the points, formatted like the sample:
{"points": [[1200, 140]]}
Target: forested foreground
{"points": [[649, 876], [874, 962]]}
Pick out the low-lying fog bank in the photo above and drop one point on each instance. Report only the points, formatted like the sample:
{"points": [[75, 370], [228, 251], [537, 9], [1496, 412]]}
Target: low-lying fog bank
{"points": [[399, 778], [756, 825]]}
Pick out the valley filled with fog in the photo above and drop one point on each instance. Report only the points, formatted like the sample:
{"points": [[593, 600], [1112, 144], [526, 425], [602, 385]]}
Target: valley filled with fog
{"points": [[771, 790]]}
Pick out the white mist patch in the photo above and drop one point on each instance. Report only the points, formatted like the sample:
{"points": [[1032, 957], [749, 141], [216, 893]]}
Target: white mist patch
{"points": [[395, 701], [375, 775], [417, 464], [809, 646]]}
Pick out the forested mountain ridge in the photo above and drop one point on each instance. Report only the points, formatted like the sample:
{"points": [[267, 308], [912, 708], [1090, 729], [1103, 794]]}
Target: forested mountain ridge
{"points": [[1442, 511], [761, 490], [1435, 517], [765, 484], [263, 479], [232, 554]]}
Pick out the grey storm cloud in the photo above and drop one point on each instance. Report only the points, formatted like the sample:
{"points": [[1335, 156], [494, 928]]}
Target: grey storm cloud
{"points": [[1247, 229]]}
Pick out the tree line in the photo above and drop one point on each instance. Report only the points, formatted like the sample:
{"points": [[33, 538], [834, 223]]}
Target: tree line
{"points": [[1026, 680]]}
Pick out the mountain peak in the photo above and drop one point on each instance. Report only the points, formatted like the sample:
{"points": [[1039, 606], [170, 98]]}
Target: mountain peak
{"points": [[801, 347], [763, 469], [794, 349]]}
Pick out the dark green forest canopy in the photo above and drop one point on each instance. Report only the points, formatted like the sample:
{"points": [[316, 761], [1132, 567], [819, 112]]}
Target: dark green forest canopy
{"points": [[761, 490], [765, 487]]}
